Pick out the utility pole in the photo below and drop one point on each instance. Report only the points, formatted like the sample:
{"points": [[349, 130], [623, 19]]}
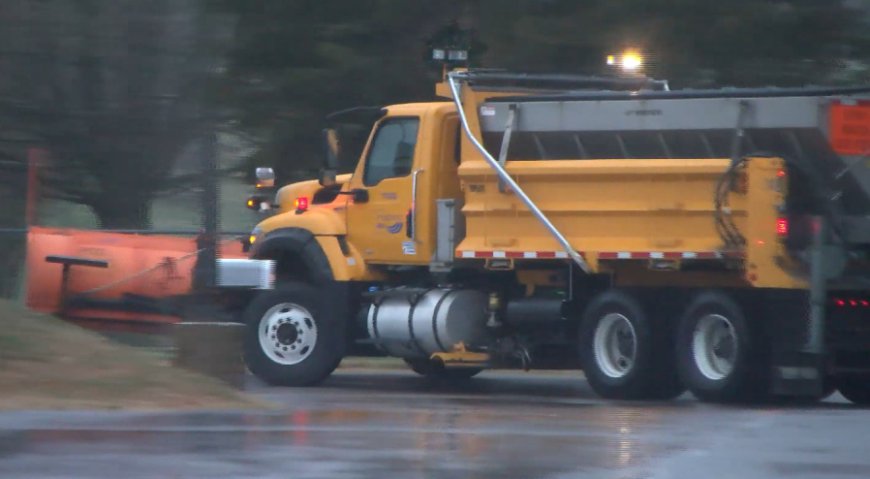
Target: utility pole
{"points": [[35, 160]]}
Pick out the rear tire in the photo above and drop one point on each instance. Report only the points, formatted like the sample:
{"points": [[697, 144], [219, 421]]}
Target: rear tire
{"points": [[435, 371], [855, 388], [624, 355], [721, 357], [294, 337]]}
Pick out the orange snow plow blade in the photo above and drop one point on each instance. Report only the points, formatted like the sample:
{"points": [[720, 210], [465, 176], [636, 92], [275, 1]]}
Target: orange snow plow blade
{"points": [[110, 276]]}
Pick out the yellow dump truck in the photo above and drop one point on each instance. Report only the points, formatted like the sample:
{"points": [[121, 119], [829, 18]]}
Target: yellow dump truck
{"points": [[715, 241]]}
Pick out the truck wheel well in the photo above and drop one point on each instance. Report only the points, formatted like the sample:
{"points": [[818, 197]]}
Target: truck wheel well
{"points": [[289, 266], [297, 254]]}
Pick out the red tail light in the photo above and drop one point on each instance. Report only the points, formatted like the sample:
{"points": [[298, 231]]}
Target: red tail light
{"points": [[782, 227], [301, 203], [854, 303]]}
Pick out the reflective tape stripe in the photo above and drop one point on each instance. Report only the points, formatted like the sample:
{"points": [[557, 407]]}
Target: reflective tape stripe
{"points": [[669, 254], [604, 255], [513, 254]]}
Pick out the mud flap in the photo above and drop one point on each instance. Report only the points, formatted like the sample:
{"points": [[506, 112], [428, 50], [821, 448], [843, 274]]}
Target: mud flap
{"points": [[799, 365], [794, 371], [798, 373]]}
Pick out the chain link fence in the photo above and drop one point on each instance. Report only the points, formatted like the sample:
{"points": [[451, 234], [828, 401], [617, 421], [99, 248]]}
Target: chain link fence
{"points": [[178, 210], [112, 103], [13, 188]]}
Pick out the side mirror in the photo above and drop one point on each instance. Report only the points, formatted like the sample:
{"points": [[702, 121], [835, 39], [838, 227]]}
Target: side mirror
{"points": [[265, 177], [332, 148]]}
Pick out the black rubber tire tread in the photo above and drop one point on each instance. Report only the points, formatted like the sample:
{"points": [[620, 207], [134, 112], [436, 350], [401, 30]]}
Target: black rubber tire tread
{"points": [[434, 371], [653, 376], [749, 381], [328, 351], [855, 388], [667, 383]]}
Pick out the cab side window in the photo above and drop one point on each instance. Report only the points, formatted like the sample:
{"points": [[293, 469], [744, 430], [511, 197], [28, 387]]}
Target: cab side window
{"points": [[392, 151]]}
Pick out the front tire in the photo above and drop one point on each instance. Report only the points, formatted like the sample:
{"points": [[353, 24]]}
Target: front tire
{"points": [[721, 356], [294, 336]]}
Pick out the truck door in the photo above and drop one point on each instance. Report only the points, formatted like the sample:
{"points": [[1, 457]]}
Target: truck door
{"points": [[379, 213]]}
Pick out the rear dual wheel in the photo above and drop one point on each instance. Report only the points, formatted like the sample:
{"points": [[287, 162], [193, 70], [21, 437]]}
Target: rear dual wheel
{"points": [[721, 356], [714, 352], [625, 355]]}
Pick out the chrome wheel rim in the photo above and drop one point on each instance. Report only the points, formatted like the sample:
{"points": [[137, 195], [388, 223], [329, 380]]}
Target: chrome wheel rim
{"points": [[715, 347], [287, 333], [615, 345]]}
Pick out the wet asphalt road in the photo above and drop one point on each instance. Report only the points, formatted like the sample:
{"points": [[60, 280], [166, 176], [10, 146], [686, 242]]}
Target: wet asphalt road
{"points": [[384, 424]]}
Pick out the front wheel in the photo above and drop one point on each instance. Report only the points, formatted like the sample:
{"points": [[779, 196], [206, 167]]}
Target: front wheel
{"points": [[294, 338]]}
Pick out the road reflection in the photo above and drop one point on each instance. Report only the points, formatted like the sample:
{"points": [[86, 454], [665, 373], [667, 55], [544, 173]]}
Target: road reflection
{"points": [[383, 425]]}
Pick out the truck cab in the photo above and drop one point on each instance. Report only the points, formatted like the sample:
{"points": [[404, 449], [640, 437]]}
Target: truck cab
{"points": [[411, 160], [381, 214]]}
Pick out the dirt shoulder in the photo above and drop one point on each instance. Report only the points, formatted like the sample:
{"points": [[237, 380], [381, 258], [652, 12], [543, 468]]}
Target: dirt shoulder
{"points": [[46, 363]]}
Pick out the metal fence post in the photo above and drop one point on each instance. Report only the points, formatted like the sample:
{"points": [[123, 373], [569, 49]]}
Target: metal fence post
{"points": [[205, 276]]}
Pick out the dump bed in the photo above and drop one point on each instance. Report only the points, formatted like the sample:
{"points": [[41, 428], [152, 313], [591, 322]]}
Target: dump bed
{"points": [[827, 131], [633, 174]]}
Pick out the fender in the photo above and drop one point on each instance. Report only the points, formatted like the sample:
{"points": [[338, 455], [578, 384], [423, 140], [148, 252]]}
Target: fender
{"points": [[318, 221], [306, 253], [324, 258], [305, 250], [317, 238]]}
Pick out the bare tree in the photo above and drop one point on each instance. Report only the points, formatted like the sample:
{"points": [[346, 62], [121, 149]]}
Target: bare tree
{"points": [[114, 89]]}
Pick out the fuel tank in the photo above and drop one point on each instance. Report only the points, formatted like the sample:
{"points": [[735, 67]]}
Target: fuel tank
{"points": [[417, 324]]}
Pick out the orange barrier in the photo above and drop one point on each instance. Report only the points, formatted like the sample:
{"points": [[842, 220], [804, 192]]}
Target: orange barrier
{"points": [[156, 266]]}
